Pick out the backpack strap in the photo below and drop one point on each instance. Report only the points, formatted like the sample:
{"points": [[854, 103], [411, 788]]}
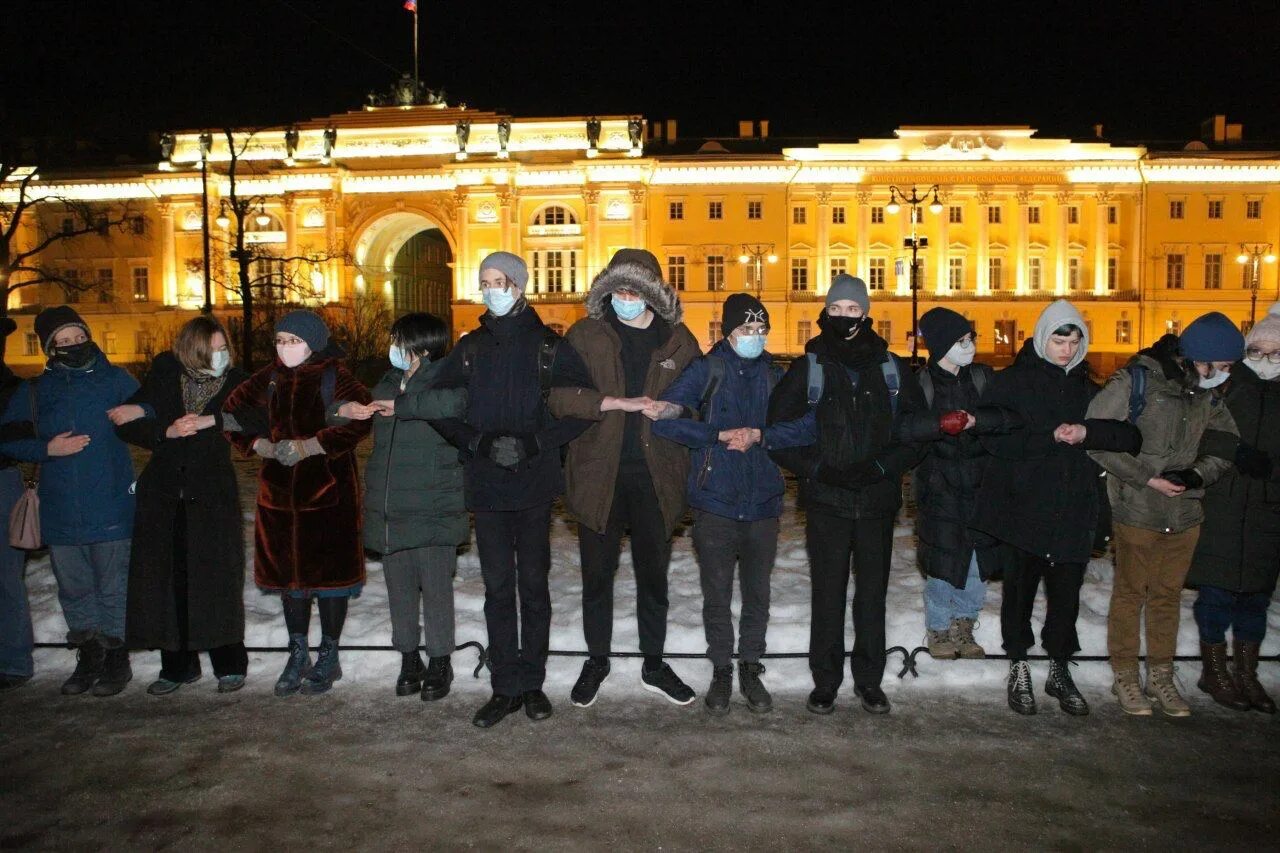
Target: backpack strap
{"points": [[892, 380], [1137, 391], [817, 379], [980, 373], [715, 376], [547, 361], [926, 384]]}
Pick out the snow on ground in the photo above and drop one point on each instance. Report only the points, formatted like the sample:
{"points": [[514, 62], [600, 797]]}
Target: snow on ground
{"points": [[369, 621]]}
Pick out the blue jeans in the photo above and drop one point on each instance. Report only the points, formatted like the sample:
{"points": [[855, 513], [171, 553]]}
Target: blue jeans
{"points": [[93, 581], [943, 602], [16, 639], [1218, 609]]}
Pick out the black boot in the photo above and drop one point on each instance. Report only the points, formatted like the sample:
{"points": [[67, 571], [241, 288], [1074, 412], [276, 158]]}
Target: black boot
{"points": [[873, 699], [89, 655], [1021, 697], [495, 710], [1060, 686], [752, 688], [536, 704], [116, 671], [411, 669], [721, 689], [297, 668], [439, 677], [327, 670], [822, 700]]}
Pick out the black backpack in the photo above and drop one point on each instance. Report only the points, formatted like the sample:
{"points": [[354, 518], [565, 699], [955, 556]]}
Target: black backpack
{"points": [[979, 372]]}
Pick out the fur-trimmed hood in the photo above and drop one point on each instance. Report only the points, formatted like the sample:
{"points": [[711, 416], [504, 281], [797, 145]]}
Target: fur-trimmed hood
{"points": [[635, 277]]}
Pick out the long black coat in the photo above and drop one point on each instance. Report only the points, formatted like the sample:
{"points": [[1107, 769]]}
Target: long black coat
{"points": [[856, 427], [1239, 545], [1039, 495], [946, 482], [197, 472]]}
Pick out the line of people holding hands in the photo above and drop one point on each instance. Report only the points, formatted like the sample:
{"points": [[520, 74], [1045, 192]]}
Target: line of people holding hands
{"points": [[1020, 474]]}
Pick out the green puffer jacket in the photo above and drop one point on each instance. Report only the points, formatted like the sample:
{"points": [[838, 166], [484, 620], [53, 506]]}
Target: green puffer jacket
{"points": [[413, 481], [1181, 428]]}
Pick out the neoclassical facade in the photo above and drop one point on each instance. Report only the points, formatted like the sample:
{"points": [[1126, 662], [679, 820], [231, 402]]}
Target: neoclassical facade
{"points": [[1145, 240]]}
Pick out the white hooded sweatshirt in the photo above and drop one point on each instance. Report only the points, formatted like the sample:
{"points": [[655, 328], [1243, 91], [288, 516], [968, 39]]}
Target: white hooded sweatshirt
{"points": [[1058, 314]]}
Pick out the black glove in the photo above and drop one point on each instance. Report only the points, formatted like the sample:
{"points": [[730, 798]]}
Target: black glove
{"points": [[1188, 477], [507, 451], [1253, 462]]}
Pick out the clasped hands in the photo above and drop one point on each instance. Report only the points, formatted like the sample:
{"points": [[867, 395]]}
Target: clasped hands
{"points": [[288, 452], [654, 410], [740, 439], [354, 411]]}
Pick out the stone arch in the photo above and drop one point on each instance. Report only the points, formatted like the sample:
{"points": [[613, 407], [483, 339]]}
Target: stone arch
{"points": [[380, 253]]}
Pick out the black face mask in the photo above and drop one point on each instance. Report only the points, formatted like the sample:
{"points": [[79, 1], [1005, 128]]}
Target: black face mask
{"points": [[842, 327], [75, 355]]}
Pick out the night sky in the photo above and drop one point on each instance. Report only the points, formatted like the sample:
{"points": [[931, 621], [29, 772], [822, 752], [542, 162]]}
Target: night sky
{"points": [[115, 71]]}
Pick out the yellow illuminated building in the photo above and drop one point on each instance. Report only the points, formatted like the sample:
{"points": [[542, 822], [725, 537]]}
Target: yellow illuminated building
{"points": [[1143, 240]]}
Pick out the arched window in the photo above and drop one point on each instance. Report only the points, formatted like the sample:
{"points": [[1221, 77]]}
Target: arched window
{"points": [[555, 215]]}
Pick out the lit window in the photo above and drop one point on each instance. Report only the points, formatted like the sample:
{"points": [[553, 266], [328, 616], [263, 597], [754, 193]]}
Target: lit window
{"points": [[1122, 331], [876, 273], [715, 272]]}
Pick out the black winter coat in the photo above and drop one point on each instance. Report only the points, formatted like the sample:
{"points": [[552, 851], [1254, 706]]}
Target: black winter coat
{"points": [[946, 482], [10, 385], [504, 397], [1239, 545], [855, 469], [195, 472], [1039, 495]]}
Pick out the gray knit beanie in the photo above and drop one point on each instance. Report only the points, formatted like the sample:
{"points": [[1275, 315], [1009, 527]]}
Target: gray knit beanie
{"points": [[515, 269], [306, 325], [845, 286]]}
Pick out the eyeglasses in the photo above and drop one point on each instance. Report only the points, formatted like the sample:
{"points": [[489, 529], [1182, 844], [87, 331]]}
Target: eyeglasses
{"points": [[744, 332], [289, 342], [1254, 354]]}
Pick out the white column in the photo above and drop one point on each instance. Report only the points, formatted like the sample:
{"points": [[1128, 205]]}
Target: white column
{"points": [[169, 257], [1100, 241], [1020, 249], [983, 283], [1135, 244], [333, 273], [505, 198], [290, 225], [904, 230], [822, 276], [1060, 244], [861, 262], [639, 218], [591, 244], [465, 285]]}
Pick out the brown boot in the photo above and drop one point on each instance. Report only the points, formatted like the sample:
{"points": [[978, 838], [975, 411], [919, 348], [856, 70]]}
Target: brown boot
{"points": [[1246, 667], [1216, 679]]}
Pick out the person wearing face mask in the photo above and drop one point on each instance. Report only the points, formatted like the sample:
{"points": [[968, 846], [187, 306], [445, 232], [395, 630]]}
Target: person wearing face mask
{"points": [[511, 444], [850, 484], [956, 559], [1040, 497], [619, 476], [1188, 440], [86, 500], [307, 541], [717, 408], [1237, 556], [186, 572], [414, 514]]}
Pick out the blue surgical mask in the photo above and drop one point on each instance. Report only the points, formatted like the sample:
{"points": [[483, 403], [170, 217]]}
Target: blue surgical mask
{"points": [[1215, 380], [219, 361], [749, 347], [499, 302], [628, 309], [399, 358]]}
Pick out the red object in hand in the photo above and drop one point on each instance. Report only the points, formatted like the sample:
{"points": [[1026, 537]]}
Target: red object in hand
{"points": [[953, 422]]}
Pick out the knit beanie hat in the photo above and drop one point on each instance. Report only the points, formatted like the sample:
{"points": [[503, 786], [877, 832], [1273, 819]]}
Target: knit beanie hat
{"points": [[1212, 337], [1266, 330], [306, 325], [742, 308], [50, 321], [845, 286], [941, 328], [643, 257], [515, 269]]}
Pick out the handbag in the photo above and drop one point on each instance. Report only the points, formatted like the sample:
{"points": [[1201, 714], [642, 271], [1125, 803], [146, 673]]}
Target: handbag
{"points": [[24, 518]]}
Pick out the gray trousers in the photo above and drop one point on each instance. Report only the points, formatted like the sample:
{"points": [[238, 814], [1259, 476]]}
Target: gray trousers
{"points": [[421, 575], [721, 544], [93, 582]]}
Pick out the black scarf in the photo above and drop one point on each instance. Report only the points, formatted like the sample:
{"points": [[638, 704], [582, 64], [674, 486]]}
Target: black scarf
{"points": [[863, 350]]}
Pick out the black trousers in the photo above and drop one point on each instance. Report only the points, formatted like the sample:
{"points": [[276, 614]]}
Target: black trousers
{"points": [[515, 557], [635, 510], [836, 547], [723, 546], [184, 665], [1062, 605]]}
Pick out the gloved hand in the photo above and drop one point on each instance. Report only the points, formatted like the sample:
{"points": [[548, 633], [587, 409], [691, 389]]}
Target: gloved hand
{"points": [[953, 422], [230, 424], [507, 451], [293, 451], [1188, 477], [1253, 462], [264, 448]]}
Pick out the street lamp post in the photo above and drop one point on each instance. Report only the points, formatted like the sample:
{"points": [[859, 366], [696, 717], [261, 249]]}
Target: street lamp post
{"points": [[915, 243], [756, 254], [1253, 255], [206, 144]]}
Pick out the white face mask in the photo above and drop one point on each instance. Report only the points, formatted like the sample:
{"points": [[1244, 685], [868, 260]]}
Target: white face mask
{"points": [[962, 353], [1215, 380], [219, 361], [293, 354], [1265, 370]]}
